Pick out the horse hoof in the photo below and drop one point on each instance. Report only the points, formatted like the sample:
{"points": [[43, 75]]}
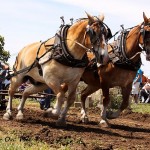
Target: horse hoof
{"points": [[19, 117], [7, 116], [48, 113], [104, 124], [111, 115], [85, 120], [61, 123]]}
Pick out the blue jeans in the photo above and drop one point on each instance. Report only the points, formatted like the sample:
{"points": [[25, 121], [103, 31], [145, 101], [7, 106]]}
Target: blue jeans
{"points": [[1, 85], [45, 103]]}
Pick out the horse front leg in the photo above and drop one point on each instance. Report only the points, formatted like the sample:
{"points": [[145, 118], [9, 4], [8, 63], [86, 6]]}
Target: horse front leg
{"points": [[70, 100], [106, 100], [55, 112], [84, 94], [31, 89]]}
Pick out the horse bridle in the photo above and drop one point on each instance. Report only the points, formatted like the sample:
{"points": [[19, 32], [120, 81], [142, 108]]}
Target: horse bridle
{"points": [[95, 38], [145, 33]]}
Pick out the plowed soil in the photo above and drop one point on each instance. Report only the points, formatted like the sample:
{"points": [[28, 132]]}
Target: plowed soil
{"points": [[129, 131]]}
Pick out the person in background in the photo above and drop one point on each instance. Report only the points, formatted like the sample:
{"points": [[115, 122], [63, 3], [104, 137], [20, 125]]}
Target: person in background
{"points": [[136, 85], [144, 80], [23, 86], [145, 92], [45, 102], [3, 70]]}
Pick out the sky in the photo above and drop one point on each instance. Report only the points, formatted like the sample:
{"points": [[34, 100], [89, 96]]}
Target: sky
{"points": [[27, 21]]}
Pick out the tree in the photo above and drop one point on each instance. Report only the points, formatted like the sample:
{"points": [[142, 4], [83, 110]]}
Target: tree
{"points": [[4, 55]]}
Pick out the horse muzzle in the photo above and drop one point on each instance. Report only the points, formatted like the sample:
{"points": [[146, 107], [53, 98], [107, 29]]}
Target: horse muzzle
{"points": [[102, 56]]}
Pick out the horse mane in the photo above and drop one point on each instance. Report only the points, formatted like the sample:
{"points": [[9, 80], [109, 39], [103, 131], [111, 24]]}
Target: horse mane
{"points": [[133, 30], [80, 19]]}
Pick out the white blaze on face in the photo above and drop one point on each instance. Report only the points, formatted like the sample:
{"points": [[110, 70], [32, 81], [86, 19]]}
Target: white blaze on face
{"points": [[104, 52]]}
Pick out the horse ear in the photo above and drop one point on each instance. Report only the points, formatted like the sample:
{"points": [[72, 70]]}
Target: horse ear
{"points": [[145, 18], [91, 19], [101, 17]]}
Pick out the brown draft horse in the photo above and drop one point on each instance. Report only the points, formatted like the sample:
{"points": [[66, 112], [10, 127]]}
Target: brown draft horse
{"points": [[71, 43], [118, 74]]}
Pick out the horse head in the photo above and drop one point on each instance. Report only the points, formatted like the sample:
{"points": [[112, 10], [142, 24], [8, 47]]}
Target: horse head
{"points": [[99, 33], [145, 36]]}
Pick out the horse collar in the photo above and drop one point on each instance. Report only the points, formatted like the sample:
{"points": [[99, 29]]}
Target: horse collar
{"points": [[118, 55], [61, 53]]}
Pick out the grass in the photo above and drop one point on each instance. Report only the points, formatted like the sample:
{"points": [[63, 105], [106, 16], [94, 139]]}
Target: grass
{"points": [[29, 102], [141, 108], [10, 141]]}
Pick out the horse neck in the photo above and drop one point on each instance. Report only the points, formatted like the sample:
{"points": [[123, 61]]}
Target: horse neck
{"points": [[76, 33], [132, 43]]}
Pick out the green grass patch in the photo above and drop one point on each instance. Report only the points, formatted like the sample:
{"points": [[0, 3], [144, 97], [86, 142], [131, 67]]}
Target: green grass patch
{"points": [[141, 108], [29, 102], [9, 141]]}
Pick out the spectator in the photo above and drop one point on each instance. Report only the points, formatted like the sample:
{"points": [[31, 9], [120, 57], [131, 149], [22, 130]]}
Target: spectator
{"points": [[3, 70], [136, 85], [22, 87], [45, 102], [145, 92], [144, 80]]}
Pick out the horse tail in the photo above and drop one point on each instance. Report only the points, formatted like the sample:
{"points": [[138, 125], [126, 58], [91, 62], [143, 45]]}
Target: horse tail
{"points": [[16, 67], [15, 64]]}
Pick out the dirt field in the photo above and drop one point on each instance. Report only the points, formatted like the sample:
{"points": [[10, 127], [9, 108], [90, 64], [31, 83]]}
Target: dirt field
{"points": [[129, 131]]}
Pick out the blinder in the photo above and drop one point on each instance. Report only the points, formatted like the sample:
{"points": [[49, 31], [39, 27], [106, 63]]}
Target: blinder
{"points": [[146, 38], [109, 34], [95, 38], [103, 27], [91, 33]]}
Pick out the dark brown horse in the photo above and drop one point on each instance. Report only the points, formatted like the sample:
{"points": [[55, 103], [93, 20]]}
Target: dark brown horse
{"points": [[120, 71], [62, 60]]}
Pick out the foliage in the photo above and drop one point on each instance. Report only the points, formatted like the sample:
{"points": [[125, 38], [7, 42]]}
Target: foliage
{"points": [[115, 98], [4, 55], [115, 101]]}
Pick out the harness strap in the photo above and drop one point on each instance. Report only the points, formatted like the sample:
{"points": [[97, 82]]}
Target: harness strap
{"points": [[61, 53], [121, 59], [22, 70]]}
